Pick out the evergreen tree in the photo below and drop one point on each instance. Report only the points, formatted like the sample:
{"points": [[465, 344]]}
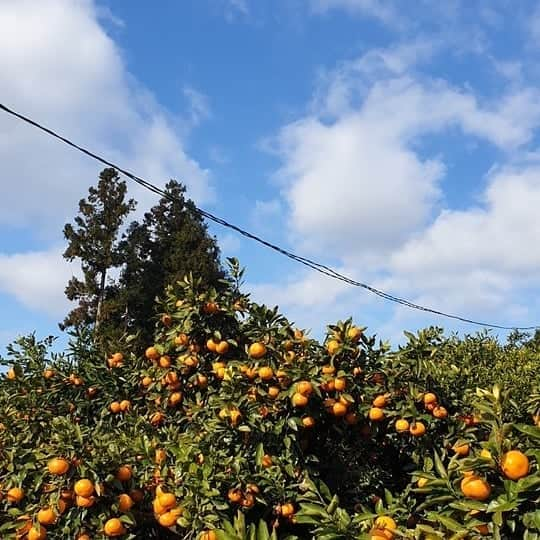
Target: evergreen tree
{"points": [[94, 239], [171, 241]]}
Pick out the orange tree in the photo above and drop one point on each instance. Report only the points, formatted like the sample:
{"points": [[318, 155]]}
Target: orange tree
{"points": [[233, 424]]}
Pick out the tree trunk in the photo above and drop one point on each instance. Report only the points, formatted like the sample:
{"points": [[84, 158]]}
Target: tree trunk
{"points": [[100, 300]]}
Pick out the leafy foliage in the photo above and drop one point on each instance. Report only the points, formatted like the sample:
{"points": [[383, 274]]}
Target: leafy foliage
{"points": [[233, 425]]}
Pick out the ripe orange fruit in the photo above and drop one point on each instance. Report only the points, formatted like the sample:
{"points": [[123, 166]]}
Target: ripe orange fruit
{"points": [[257, 350], [248, 500], [440, 412], [211, 345], [328, 386], [125, 405], [422, 482], [208, 535], [328, 369], [354, 333], [48, 374], [125, 502], [386, 524], [15, 495], [167, 500], [380, 401], [461, 449], [339, 409], [340, 384], [115, 407], [83, 536], [84, 487], [171, 377], [430, 397], [333, 347], [168, 519], [146, 381], [308, 421], [475, 487], [417, 429], [152, 353], [85, 502], [191, 361], [158, 509], [39, 533], [402, 425], [175, 398], [515, 465], [287, 509], [222, 347], [210, 308], [299, 400], [181, 340], [266, 461], [234, 495], [114, 527], [380, 534], [304, 387], [376, 414], [11, 375], [266, 373], [58, 466], [273, 392], [46, 516], [157, 418], [165, 361], [124, 473], [202, 381]]}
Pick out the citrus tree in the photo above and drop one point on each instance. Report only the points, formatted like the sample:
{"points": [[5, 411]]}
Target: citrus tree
{"points": [[232, 424]]}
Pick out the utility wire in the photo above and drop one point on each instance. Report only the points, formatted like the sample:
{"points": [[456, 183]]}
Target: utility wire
{"points": [[318, 267]]}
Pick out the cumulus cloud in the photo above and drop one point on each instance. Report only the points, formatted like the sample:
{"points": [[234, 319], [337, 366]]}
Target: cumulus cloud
{"points": [[358, 175], [359, 192], [311, 299], [37, 280], [483, 253], [60, 66], [378, 9]]}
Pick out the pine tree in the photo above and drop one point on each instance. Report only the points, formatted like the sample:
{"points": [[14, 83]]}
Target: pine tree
{"points": [[171, 241], [94, 239]]}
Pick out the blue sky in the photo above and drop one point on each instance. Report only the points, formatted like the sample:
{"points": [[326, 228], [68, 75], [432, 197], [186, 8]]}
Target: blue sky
{"points": [[396, 141]]}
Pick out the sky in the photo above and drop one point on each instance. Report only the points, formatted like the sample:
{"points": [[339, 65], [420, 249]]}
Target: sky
{"points": [[395, 141]]}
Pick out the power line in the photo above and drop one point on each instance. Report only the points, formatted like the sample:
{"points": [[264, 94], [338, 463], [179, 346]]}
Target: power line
{"points": [[318, 267]]}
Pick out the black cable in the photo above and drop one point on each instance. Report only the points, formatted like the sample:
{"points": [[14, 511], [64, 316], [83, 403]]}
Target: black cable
{"points": [[323, 269]]}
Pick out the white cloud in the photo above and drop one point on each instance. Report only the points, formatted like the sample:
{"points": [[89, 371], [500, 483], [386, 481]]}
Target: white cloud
{"points": [[37, 280], [359, 192], [199, 105], [378, 9], [356, 183], [235, 9], [311, 299], [479, 256], [60, 67]]}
